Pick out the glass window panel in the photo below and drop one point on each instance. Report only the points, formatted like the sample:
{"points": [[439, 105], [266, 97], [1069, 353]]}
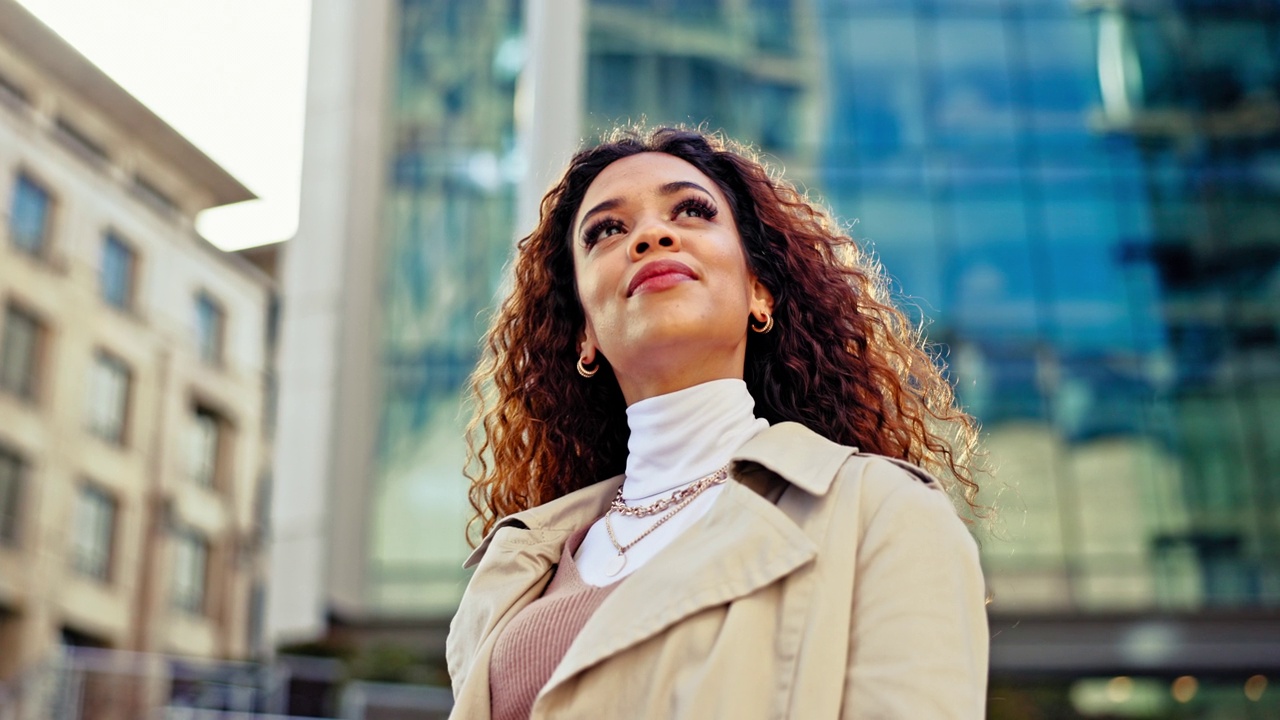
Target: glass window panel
{"points": [[12, 477], [691, 91], [1086, 167], [611, 87], [774, 24], [20, 352], [1060, 78], [117, 272], [190, 569], [1090, 302], [205, 432], [899, 229], [93, 532], [109, 398], [1215, 455], [29, 217], [991, 279], [904, 173], [877, 88], [972, 101], [209, 320]]}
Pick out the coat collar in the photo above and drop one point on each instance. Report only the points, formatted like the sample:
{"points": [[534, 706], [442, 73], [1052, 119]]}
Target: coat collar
{"points": [[552, 522], [796, 454], [742, 544], [790, 450]]}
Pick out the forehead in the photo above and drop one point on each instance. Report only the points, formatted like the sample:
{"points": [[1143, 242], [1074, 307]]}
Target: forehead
{"points": [[643, 174]]}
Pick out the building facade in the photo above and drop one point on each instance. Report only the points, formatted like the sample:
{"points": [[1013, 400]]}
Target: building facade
{"points": [[134, 360], [1077, 198]]}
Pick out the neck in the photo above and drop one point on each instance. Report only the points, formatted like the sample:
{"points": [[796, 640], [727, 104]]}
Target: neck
{"points": [[668, 368], [683, 436]]}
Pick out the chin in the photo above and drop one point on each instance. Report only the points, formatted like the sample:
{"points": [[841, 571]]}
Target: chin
{"points": [[672, 332]]}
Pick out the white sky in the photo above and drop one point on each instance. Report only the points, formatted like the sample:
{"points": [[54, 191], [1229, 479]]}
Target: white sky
{"points": [[230, 75]]}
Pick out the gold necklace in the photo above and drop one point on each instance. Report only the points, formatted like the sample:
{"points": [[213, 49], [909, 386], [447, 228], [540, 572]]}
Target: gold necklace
{"points": [[694, 488], [619, 562]]}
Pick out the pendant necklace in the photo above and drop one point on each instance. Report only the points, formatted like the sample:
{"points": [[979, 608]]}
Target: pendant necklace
{"points": [[677, 502]]}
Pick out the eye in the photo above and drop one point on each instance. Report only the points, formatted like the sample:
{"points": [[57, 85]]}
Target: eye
{"points": [[599, 230], [696, 207]]}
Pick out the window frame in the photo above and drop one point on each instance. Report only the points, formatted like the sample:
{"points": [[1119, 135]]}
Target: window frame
{"points": [[98, 560], [44, 247], [110, 237], [100, 357], [215, 355], [31, 388], [216, 462], [191, 598], [12, 496]]}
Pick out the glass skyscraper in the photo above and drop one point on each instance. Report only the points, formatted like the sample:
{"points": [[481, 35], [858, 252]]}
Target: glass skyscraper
{"points": [[1080, 200]]}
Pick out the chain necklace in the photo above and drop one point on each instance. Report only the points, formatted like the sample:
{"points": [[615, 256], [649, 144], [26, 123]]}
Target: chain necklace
{"points": [[686, 496], [693, 489]]}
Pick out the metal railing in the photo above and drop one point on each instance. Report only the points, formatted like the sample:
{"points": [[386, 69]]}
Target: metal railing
{"points": [[77, 683]]}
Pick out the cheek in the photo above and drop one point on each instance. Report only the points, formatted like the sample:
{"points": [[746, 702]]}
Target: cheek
{"points": [[733, 259], [589, 289]]}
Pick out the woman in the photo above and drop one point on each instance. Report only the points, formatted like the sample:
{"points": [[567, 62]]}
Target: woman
{"points": [[695, 463]]}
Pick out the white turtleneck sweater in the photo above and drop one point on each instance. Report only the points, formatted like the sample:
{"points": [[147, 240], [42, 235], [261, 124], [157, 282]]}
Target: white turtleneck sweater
{"points": [[676, 440]]}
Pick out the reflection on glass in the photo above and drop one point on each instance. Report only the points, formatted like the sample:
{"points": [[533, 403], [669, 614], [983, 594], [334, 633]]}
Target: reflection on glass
{"points": [[450, 212], [1082, 204]]}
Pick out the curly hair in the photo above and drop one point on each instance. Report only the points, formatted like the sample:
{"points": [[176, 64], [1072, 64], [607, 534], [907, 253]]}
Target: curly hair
{"points": [[842, 359]]}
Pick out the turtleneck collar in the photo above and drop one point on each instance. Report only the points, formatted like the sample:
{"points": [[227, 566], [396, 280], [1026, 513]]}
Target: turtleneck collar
{"points": [[686, 435]]}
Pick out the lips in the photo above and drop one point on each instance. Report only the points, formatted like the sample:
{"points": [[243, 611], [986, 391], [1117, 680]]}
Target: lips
{"points": [[661, 270]]}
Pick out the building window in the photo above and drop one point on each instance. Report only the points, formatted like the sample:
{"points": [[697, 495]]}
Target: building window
{"points": [[154, 197], [12, 474], [209, 328], [12, 94], [190, 569], [109, 398], [118, 263], [206, 447], [20, 351], [29, 216], [79, 143], [93, 533]]}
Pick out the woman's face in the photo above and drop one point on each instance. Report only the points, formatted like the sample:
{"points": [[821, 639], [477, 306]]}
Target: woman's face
{"points": [[662, 277]]}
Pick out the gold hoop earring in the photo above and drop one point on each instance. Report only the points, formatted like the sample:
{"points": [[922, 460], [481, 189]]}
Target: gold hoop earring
{"points": [[768, 325], [587, 372]]}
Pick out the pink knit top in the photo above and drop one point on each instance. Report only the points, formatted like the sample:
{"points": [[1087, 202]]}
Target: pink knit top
{"points": [[537, 638]]}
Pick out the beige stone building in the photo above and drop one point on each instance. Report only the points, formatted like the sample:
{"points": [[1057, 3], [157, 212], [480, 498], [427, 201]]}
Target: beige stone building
{"points": [[135, 375]]}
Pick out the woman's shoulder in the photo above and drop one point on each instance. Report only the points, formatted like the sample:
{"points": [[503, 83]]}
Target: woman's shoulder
{"points": [[882, 476], [826, 470], [895, 496]]}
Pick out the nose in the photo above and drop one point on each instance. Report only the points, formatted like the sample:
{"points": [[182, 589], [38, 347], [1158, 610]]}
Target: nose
{"points": [[650, 235]]}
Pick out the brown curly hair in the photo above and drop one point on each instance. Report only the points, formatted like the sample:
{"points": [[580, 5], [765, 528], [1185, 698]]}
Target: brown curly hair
{"points": [[842, 359]]}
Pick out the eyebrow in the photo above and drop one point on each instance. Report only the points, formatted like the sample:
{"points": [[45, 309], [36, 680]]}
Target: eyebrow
{"points": [[670, 188]]}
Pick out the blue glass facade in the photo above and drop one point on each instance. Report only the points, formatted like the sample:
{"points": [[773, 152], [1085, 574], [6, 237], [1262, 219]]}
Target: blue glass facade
{"points": [[1079, 204], [1080, 200]]}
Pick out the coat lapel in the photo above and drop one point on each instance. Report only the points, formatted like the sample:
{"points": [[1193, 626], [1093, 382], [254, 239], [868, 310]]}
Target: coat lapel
{"points": [[742, 544], [515, 560]]}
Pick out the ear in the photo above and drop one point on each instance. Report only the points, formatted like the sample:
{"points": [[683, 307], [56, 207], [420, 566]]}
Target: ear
{"points": [[587, 345], [761, 299]]}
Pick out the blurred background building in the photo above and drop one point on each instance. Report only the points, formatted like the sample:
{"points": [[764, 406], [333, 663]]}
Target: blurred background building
{"points": [[1080, 198], [135, 372]]}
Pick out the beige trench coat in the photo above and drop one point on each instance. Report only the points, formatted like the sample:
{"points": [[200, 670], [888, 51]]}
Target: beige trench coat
{"points": [[822, 583]]}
